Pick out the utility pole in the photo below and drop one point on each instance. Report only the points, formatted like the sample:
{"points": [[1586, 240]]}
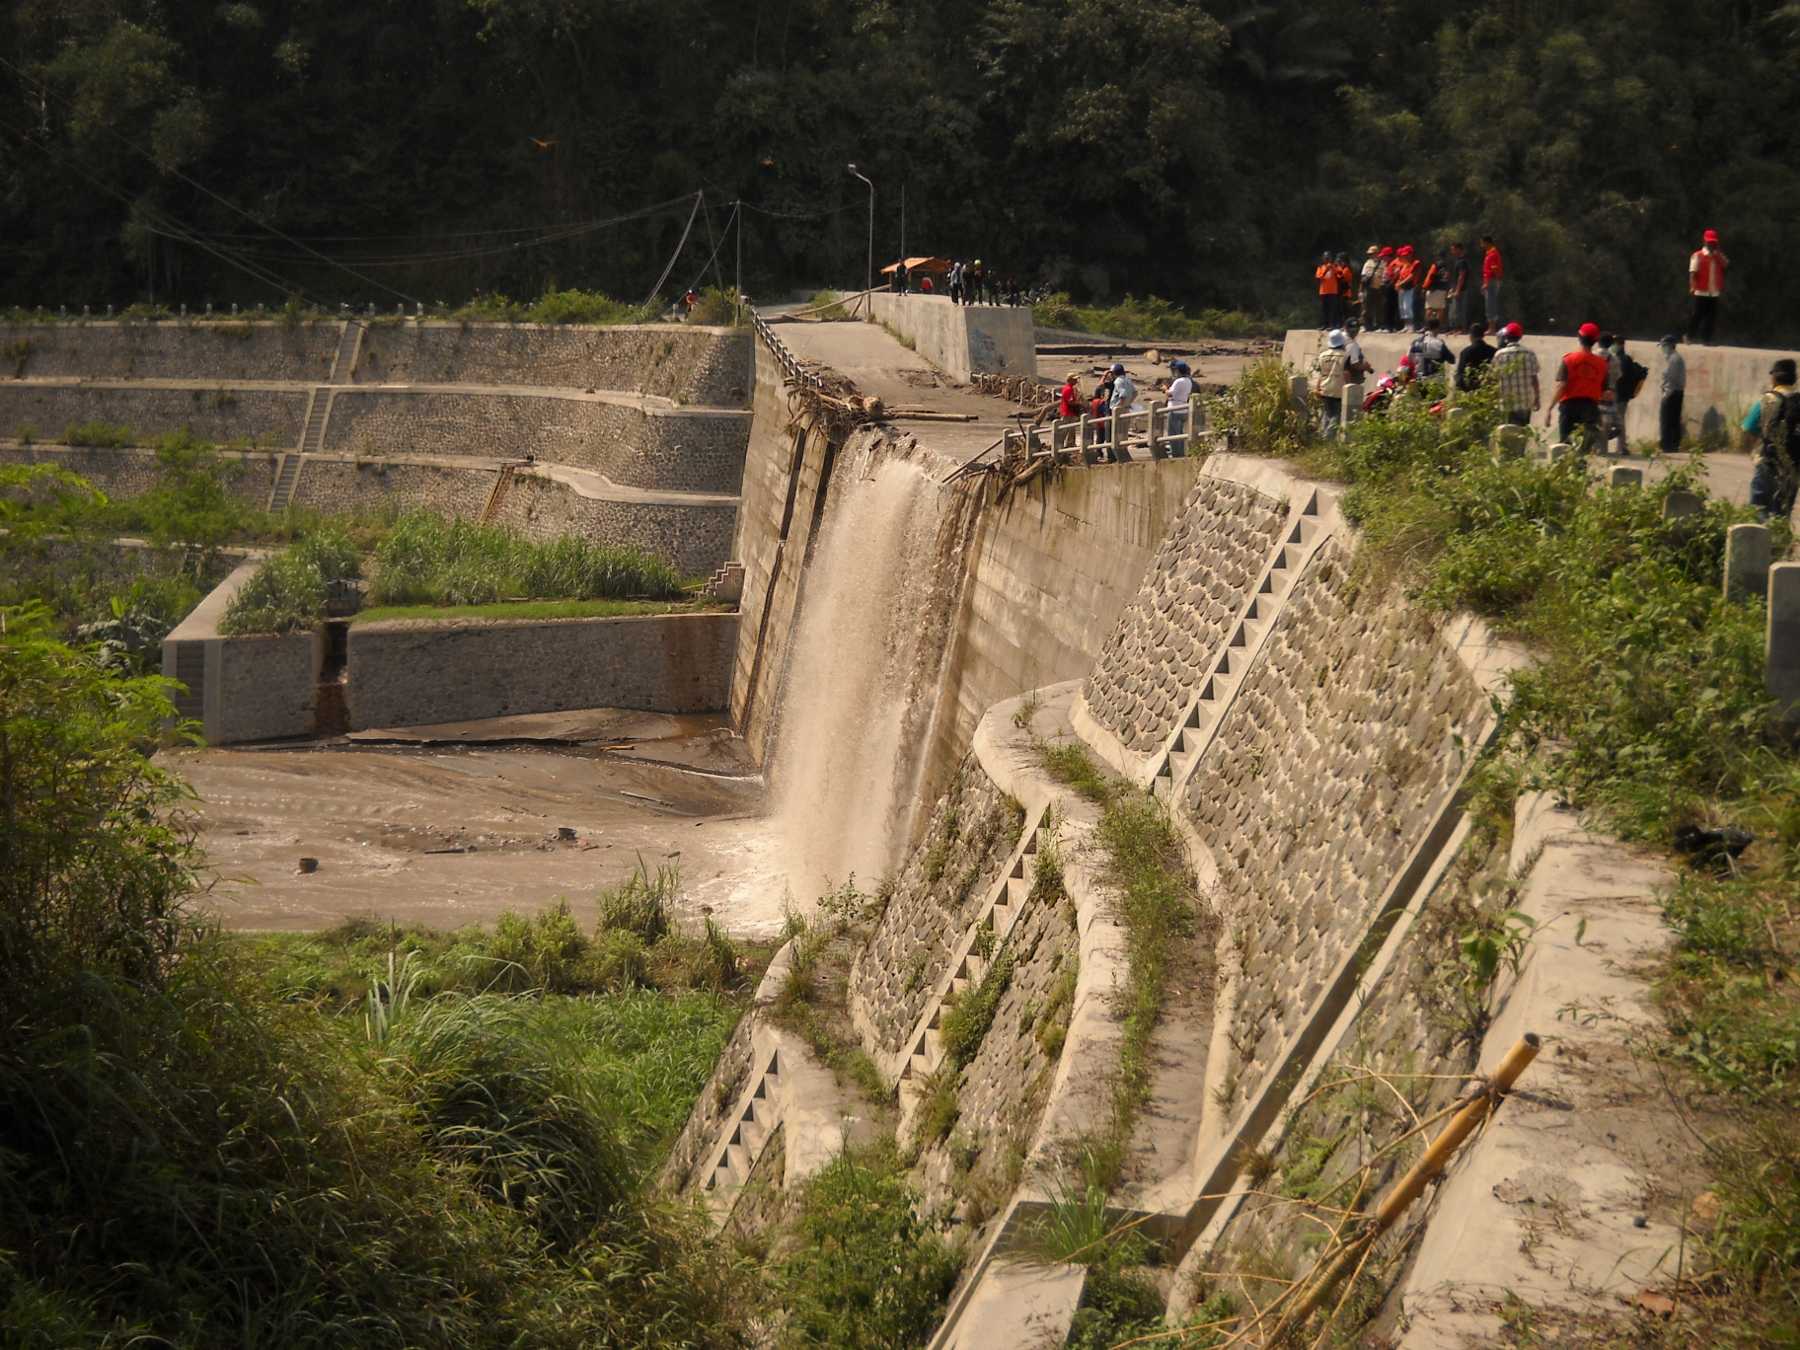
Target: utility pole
{"points": [[903, 225], [737, 287], [869, 283]]}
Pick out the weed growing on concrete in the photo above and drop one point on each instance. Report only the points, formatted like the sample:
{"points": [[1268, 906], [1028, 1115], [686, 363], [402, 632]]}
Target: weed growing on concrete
{"points": [[1069, 762], [966, 1022], [288, 593], [102, 435], [938, 1111]]}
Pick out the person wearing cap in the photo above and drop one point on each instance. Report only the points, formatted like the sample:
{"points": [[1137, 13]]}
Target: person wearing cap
{"points": [[1673, 384], [1581, 381], [1516, 375], [1493, 273], [1124, 389], [1325, 275], [1068, 398], [1706, 283], [1328, 380], [1390, 289], [1773, 425], [1371, 286], [1473, 361], [1406, 286], [1181, 395]]}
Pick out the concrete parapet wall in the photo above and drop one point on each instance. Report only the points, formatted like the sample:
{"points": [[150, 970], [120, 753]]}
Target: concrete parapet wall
{"points": [[267, 416], [1722, 382], [251, 688], [634, 446], [226, 350], [708, 366], [962, 340], [412, 673]]}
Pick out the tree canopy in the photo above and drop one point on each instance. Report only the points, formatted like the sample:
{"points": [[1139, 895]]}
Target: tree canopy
{"points": [[1204, 150]]}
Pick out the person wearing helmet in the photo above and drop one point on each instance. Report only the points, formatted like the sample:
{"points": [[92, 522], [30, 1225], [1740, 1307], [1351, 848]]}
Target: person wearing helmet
{"points": [[1516, 376], [1706, 283], [1581, 380], [1181, 396]]}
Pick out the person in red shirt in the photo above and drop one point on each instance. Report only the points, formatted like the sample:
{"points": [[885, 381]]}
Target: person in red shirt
{"points": [[1068, 398], [1493, 272], [1580, 385], [1406, 286], [1706, 283]]}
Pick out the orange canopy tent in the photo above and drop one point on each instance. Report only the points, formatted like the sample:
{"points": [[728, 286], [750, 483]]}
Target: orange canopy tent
{"points": [[918, 265]]}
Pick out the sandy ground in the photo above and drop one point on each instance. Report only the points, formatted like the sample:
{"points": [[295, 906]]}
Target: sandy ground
{"points": [[450, 826]]}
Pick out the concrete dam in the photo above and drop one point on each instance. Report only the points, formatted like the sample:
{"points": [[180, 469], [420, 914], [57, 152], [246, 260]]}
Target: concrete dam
{"points": [[1123, 818]]}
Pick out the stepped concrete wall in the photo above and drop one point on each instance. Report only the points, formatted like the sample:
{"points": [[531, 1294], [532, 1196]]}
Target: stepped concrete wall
{"points": [[1722, 382], [1199, 580], [694, 536], [131, 473], [226, 350], [417, 672], [266, 416], [633, 446], [935, 898], [964, 340], [708, 366]]}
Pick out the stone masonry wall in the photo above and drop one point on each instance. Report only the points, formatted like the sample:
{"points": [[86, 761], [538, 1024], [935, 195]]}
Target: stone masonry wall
{"points": [[225, 350], [692, 1147], [266, 416], [1324, 775], [337, 485], [413, 673], [705, 366], [677, 452], [974, 828], [267, 687], [131, 473], [1154, 658], [1000, 1094], [695, 539]]}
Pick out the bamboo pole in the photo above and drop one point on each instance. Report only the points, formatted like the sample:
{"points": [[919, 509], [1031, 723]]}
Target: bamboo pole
{"points": [[1412, 1185]]}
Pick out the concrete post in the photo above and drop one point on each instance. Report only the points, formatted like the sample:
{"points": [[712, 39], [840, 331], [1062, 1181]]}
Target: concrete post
{"points": [[1351, 408], [1746, 560], [1159, 422], [1297, 392], [1782, 671], [1113, 432], [1509, 441], [1624, 476], [1559, 452], [1679, 505]]}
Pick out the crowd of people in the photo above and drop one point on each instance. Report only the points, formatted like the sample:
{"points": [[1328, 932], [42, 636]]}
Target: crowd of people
{"points": [[1117, 392], [1399, 289], [1591, 390]]}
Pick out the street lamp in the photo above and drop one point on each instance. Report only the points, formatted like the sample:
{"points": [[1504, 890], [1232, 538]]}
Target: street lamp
{"points": [[869, 282]]}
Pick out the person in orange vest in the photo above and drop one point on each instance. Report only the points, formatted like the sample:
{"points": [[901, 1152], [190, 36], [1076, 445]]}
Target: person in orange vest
{"points": [[1706, 283], [1346, 288], [1580, 385], [1390, 289], [1330, 288]]}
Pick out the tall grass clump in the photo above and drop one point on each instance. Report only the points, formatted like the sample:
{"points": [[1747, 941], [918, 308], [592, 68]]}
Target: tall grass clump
{"points": [[425, 559], [289, 591], [1258, 414]]}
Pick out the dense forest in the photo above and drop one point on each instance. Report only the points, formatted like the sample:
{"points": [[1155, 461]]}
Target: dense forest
{"points": [[1203, 150]]}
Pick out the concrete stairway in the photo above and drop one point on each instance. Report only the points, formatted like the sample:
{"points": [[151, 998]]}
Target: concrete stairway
{"points": [[726, 584], [282, 494], [746, 1133], [343, 362], [497, 494], [1005, 902], [318, 410], [1300, 538]]}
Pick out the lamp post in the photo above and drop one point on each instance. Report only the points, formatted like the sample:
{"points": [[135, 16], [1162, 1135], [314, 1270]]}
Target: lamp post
{"points": [[869, 280]]}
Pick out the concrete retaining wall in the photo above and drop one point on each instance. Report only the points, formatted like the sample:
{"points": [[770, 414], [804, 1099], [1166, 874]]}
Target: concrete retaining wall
{"points": [[962, 340], [250, 688], [415, 673], [708, 366], [631, 445], [225, 350], [336, 484], [265, 416], [694, 536], [131, 473], [1722, 382]]}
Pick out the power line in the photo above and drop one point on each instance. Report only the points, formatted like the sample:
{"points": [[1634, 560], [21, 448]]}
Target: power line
{"points": [[673, 257]]}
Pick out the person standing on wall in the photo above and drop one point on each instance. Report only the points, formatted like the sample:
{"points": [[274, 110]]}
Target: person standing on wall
{"points": [[1457, 313], [1346, 289], [1674, 392], [1325, 275], [1437, 288], [1406, 285], [1580, 385], [955, 283], [1371, 288], [1516, 373], [1472, 364], [1706, 283], [1773, 424], [1493, 275]]}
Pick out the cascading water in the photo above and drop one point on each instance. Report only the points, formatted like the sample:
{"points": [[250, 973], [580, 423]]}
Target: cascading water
{"points": [[867, 663]]}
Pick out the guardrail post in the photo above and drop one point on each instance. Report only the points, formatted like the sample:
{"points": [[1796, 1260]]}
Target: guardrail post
{"points": [[1782, 669], [1624, 476], [1159, 422], [1746, 560]]}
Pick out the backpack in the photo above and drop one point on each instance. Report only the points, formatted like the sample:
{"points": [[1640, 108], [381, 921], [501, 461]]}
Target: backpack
{"points": [[1631, 377], [1781, 423]]}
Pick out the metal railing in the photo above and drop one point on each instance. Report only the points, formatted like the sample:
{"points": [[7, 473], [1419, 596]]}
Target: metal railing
{"points": [[1118, 433], [790, 367]]}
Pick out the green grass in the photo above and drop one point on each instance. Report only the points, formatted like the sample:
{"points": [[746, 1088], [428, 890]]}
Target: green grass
{"points": [[288, 592], [530, 609]]}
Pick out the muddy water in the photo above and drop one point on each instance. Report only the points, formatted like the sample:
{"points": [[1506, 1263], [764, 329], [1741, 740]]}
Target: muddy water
{"points": [[864, 679]]}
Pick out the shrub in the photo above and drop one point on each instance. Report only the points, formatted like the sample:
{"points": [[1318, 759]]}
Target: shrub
{"points": [[1258, 414], [967, 1022], [102, 435], [546, 951], [289, 591], [640, 904]]}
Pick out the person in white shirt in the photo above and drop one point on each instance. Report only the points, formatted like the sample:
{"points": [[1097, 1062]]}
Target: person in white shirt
{"points": [[1674, 393], [1181, 394]]}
